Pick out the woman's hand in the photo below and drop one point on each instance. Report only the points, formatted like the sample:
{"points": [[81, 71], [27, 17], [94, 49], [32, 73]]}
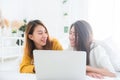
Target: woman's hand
{"points": [[95, 75], [105, 72]]}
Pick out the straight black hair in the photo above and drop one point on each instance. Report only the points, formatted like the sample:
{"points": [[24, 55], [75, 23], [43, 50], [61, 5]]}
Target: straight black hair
{"points": [[83, 37]]}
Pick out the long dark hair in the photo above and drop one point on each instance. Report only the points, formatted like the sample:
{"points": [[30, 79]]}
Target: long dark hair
{"points": [[29, 44], [83, 36]]}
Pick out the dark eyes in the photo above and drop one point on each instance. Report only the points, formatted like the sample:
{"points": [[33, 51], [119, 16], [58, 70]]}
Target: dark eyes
{"points": [[41, 32], [71, 32]]}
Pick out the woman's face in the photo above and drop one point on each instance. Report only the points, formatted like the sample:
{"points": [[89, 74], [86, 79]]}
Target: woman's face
{"points": [[72, 36], [39, 36]]}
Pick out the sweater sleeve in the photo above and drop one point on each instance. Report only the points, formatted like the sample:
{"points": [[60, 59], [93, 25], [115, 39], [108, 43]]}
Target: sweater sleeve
{"points": [[26, 66], [100, 59], [56, 45]]}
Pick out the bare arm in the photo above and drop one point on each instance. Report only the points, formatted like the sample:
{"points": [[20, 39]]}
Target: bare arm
{"points": [[101, 71]]}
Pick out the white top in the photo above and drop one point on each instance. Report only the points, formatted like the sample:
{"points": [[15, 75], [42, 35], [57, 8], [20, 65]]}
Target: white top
{"points": [[98, 57]]}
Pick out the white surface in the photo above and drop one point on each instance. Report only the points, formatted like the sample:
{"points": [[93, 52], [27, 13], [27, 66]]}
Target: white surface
{"points": [[10, 63], [9, 75], [105, 78], [17, 76], [99, 57], [112, 51], [118, 74], [9, 70], [9, 48]]}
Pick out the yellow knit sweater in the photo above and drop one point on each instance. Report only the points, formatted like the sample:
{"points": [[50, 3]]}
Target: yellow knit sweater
{"points": [[27, 66]]}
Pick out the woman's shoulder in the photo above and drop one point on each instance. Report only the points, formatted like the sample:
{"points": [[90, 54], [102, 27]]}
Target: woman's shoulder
{"points": [[96, 44], [97, 47], [54, 40], [56, 45]]}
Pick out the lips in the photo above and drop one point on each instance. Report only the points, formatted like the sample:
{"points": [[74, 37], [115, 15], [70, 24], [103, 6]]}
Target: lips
{"points": [[72, 42], [43, 40]]}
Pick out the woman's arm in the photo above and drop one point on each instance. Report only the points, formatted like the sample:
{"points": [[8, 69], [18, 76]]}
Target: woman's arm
{"points": [[100, 71], [26, 66], [94, 75], [100, 62]]}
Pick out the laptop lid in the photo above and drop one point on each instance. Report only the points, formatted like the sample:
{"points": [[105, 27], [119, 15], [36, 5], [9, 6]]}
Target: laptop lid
{"points": [[52, 65]]}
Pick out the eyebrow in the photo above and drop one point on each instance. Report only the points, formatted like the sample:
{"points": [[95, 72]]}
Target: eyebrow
{"points": [[42, 31]]}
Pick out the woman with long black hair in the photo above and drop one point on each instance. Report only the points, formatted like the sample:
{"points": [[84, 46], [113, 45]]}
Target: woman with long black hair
{"points": [[81, 39]]}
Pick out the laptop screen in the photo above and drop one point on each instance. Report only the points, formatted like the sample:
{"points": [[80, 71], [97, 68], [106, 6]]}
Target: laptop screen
{"points": [[51, 64]]}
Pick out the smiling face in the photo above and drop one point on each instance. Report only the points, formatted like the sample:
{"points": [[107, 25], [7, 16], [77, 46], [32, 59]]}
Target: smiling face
{"points": [[39, 36], [72, 37]]}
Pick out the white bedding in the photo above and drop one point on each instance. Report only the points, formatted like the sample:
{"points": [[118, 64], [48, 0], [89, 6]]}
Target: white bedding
{"points": [[11, 69], [11, 75], [105, 78], [118, 74]]}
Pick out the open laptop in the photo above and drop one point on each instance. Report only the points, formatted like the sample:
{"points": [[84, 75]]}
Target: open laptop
{"points": [[60, 65]]}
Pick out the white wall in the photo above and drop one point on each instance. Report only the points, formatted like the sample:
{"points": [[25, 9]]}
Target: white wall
{"points": [[12, 9], [79, 10], [50, 12], [104, 16], [116, 21], [100, 14]]}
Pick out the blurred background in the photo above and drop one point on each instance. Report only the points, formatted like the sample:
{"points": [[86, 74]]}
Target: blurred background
{"points": [[58, 15]]}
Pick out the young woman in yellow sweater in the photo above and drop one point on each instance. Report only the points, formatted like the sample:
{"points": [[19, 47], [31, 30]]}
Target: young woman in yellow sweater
{"points": [[36, 37]]}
